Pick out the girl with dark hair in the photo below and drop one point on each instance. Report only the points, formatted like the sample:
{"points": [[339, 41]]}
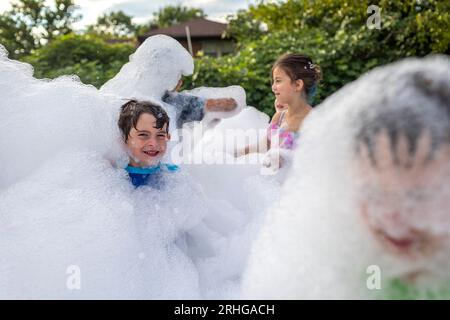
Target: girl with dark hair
{"points": [[294, 83]]}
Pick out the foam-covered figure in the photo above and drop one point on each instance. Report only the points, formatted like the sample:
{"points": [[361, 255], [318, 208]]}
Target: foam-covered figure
{"points": [[154, 72], [403, 163], [365, 212]]}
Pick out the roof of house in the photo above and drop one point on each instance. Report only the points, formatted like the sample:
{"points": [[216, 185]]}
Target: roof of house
{"points": [[198, 28]]}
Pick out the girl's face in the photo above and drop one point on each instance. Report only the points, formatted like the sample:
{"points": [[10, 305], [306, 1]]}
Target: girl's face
{"points": [[285, 90]]}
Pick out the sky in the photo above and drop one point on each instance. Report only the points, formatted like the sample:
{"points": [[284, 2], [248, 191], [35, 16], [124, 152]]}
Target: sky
{"points": [[142, 10]]}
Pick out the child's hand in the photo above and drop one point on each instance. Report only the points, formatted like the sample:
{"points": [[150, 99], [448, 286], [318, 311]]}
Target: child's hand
{"points": [[279, 106], [272, 161], [237, 153], [275, 159], [221, 105]]}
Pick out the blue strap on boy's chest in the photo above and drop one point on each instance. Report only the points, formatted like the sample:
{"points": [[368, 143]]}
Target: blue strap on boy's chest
{"points": [[152, 176]]}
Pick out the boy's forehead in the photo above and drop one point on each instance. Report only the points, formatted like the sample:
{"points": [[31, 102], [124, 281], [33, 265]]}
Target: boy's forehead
{"points": [[405, 172], [147, 122], [146, 118]]}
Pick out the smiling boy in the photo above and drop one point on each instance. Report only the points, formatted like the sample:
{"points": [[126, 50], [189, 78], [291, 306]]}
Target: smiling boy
{"points": [[145, 130]]}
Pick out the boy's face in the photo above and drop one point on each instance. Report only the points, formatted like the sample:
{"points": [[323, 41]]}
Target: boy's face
{"points": [[147, 144], [406, 208]]}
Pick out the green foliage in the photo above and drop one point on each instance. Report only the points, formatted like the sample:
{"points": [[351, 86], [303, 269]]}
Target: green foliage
{"points": [[31, 23], [142, 29], [171, 15], [113, 24], [41, 35], [16, 36], [334, 33], [244, 27], [87, 56]]}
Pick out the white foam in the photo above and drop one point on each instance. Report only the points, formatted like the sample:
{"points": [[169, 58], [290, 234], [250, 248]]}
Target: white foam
{"points": [[66, 202], [154, 68]]}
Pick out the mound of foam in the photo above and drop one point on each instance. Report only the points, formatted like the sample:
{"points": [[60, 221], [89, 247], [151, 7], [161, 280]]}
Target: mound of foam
{"points": [[69, 215], [70, 218], [154, 68], [40, 118]]}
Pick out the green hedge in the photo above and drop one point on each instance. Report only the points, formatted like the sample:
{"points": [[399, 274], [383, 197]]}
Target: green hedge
{"points": [[332, 32], [335, 35], [87, 56]]}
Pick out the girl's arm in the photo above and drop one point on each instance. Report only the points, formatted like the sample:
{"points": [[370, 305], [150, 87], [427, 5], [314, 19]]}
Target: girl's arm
{"points": [[256, 147], [253, 148]]}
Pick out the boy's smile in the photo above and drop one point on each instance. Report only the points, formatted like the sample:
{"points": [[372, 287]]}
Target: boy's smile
{"points": [[151, 153], [146, 143]]}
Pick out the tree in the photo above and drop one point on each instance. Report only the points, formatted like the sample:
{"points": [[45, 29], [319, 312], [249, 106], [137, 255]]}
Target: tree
{"points": [[171, 15], [31, 23], [142, 28], [16, 36], [335, 34], [244, 27], [115, 24], [412, 27], [87, 56]]}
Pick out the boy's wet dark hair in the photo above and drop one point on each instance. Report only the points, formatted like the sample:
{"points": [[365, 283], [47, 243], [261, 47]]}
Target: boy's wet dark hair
{"points": [[132, 110], [411, 121]]}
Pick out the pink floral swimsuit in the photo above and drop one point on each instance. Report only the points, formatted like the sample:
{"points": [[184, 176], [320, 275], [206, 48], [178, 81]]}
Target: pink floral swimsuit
{"points": [[286, 138]]}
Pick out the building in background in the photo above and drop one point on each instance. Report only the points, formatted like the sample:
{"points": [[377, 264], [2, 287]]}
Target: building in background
{"points": [[206, 36]]}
